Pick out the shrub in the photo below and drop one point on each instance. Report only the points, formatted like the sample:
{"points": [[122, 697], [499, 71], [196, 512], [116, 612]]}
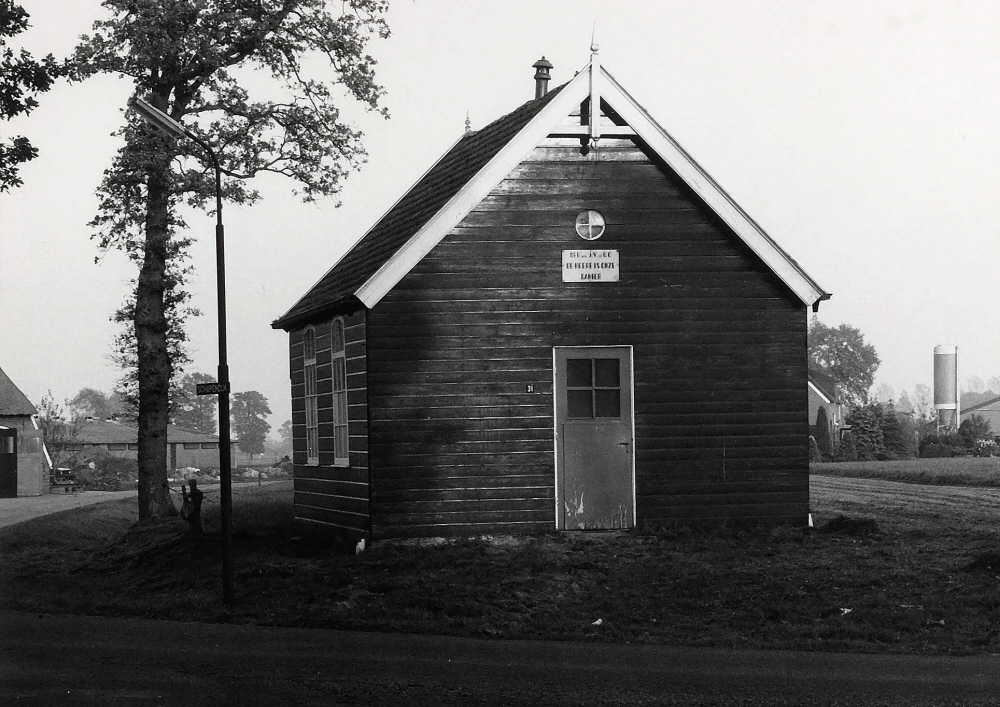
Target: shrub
{"points": [[985, 448], [824, 440], [975, 428], [896, 446], [936, 450], [866, 426], [847, 451], [97, 470], [936, 446], [814, 455]]}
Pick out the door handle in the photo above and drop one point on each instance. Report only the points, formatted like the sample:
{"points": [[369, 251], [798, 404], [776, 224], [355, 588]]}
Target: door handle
{"points": [[624, 444]]}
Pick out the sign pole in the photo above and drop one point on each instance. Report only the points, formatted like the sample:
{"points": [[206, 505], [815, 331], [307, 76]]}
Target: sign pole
{"points": [[225, 448], [163, 122]]}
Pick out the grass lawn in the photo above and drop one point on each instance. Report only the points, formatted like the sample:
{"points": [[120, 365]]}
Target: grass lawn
{"points": [[956, 471], [890, 568]]}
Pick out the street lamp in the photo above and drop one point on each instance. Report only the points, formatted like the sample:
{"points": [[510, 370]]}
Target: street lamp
{"points": [[171, 127]]}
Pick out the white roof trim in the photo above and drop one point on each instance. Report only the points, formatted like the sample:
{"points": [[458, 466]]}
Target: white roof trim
{"points": [[386, 213], [714, 195], [820, 393], [474, 191], [537, 129]]}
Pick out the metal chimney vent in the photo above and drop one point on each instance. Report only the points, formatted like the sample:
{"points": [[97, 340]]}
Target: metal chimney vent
{"points": [[542, 76]]}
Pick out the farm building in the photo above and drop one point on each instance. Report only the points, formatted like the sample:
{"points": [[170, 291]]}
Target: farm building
{"points": [[824, 393], [23, 468], [565, 324], [989, 410], [184, 447]]}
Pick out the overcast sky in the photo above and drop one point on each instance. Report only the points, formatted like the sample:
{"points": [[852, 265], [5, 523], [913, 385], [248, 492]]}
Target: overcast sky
{"points": [[864, 136]]}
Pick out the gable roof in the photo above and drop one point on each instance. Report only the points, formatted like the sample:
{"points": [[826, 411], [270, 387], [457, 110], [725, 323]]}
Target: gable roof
{"points": [[104, 432], [825, 385], [474, 166], [12, 400], [991, 404]]}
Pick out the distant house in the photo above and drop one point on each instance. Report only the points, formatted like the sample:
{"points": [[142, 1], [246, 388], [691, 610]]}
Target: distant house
{"points": [[824, 393], [565, 324], [23, 469], [989, 410], [184, 447]]}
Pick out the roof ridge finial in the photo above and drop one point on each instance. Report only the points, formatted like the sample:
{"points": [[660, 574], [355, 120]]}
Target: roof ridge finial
{"points": [[594, 46], [468, 123]]}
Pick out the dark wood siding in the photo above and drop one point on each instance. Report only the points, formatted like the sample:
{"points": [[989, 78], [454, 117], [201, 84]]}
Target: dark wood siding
{"points": [[325, 494], [459, 445]]}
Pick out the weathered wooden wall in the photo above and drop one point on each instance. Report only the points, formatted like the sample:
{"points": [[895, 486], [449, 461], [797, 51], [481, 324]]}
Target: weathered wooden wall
{"points": [[460, 446], [325, 494]]}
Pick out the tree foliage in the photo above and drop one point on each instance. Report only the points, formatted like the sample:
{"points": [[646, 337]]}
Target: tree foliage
{"points": [[824, 436], [90, 402], [905, 405], [192, 411], [57, 432], [866, 426], [249, 413], [847, 451], [285, 433], [922, 402], [975, 428], [814, 454], [894, 437], [263, 82], [21, 79], [843, 354]]}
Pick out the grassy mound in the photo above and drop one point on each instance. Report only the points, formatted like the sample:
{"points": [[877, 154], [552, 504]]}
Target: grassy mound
{"points": [[890, 573]]}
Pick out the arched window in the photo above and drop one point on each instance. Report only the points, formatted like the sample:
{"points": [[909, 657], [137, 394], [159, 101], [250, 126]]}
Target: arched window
{"points": [[339, 368], [312, 403]]}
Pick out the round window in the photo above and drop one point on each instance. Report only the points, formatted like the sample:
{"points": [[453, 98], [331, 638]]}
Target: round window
{"points": [[590, 225]]}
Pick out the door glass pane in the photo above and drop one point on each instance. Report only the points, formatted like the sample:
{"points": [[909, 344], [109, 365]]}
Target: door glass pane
{"points": [[579, 403], [606, 373], [607, 403], [6, 445], [578, 372]]}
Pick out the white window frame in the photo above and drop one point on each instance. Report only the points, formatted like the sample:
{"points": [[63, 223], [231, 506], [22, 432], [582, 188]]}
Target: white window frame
{"points": [[311, 396], [338, 373]]}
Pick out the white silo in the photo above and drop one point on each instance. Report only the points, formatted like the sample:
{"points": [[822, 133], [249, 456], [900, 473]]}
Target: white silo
{"points": [[946, 386]]}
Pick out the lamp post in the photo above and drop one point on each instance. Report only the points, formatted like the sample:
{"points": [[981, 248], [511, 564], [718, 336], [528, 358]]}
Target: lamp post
{"points": [[163, 122]]}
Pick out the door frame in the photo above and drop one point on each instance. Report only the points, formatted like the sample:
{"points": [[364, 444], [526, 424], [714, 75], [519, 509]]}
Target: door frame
{"points": [[11, 434], [556, 441]]}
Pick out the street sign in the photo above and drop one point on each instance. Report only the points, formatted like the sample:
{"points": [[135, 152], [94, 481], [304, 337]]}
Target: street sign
{"points": [[211, 388]]}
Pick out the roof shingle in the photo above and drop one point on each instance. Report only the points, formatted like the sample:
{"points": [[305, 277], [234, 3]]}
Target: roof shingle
{"points": [[12, 400], [440, 183]]}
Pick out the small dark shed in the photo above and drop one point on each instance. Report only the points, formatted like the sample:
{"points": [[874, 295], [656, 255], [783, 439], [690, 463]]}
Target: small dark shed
{"points": [[565, 324], [23, 467]]}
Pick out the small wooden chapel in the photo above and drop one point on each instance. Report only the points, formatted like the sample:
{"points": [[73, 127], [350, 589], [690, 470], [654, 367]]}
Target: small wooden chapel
{"points": [[565, 324]]}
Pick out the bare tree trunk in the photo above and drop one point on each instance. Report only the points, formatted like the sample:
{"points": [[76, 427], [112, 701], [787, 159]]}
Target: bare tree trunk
{"points": [[154, 364]]}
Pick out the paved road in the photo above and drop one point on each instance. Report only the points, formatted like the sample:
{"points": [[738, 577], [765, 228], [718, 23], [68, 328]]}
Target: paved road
{"points": [[72, 660], [17, 510]]}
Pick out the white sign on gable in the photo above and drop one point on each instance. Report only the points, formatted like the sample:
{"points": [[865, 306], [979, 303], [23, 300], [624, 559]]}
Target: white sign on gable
{"points": [[590, 266]]}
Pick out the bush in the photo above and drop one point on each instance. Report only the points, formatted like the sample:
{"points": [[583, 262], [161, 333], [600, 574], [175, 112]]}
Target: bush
{"points": [[936, 450], [975, 428], [824, 438], [937, 446], [97, 470], [847, 451], [866, 426], [985, 448], [814, 455]]}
